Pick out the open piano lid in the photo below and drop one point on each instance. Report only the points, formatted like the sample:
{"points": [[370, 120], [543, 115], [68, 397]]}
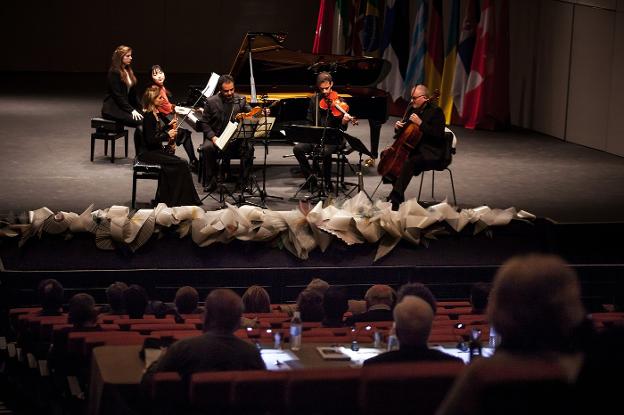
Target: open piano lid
{"points": [[275, 65]]}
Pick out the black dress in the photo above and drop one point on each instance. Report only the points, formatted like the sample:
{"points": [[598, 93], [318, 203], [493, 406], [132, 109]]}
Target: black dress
{"points": [[175, 185]]}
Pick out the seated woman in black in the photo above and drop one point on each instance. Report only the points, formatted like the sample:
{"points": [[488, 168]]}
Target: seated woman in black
{"points": [[121, 103], [175, 185]]}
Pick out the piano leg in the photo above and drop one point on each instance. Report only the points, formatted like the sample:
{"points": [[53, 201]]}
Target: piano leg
{"points": [[375, 131]]}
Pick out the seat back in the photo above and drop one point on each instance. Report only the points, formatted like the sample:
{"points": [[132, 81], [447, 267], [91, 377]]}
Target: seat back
{"points": [[321, 391], [394, 387], [449, 150]]}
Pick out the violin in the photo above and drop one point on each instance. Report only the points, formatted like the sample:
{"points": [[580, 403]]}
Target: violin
{"points": [[392, 159], [170, 147], [246, 115], [337, 105]]}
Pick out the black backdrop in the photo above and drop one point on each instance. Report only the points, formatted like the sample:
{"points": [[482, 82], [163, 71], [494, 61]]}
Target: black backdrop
{"points": [[184, 36]]}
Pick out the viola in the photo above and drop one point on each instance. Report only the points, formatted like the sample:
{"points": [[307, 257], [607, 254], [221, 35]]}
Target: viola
{"points": [[392, 159], [337, 106]]}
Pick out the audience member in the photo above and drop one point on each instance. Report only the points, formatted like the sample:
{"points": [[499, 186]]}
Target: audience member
{"points": [[535, 305], [256, 300], [114, 297], [186, 300], [413, 318], [215, 350], [419, 290], [318, 285], [379, 301], [479, 294], [335, 304], [82, 313], [310, 305], [135, 298], [50, 293]]}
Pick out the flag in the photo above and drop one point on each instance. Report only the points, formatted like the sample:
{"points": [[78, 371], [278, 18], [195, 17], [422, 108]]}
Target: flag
{"points": [[342, 26], [415, 73], [465, 50], [357, 23], [446, 90], [483, 99], [369, 36], [324, 24], [394, 46], [434, 58]]}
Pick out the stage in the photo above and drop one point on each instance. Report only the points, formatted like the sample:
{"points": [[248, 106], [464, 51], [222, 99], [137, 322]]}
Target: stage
{"points": [[575, 192]]}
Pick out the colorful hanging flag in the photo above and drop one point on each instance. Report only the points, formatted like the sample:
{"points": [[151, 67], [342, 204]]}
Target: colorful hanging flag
{"points": [[369, 36], [434, 58], [446, 90], [395, 47], [465, 50], [324, 24], [415, 73]]}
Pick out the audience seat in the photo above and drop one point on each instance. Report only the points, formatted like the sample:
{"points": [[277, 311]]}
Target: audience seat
{"points": [[259, 391], [211, 391], [392, 388], [147, 328], [322, 391]]}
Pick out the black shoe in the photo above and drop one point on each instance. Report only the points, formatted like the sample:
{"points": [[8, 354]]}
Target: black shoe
{"points": [[212, 186], [329, 186]]}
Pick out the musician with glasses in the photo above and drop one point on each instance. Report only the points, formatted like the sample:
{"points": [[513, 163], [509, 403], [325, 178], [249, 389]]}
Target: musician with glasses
{"points": [[218, 111], [430, 149], [318, 116]]}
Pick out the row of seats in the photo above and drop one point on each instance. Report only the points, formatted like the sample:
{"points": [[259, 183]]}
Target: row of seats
{"points": [[375, 389]]}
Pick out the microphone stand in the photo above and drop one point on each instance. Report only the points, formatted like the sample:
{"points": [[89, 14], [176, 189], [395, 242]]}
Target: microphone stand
{"points": [[265, 142]]}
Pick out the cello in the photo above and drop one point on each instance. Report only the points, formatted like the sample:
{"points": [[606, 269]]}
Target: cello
{"points": [[392, 159]]}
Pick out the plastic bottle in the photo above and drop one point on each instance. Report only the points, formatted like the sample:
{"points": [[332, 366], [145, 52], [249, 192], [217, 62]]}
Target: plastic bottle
{"points": [[277, 338], [377, 339], [295, 332], [393, 342], [494, 339]]}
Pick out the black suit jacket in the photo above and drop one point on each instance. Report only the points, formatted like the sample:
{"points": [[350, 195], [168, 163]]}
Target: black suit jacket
{"points": [[411, 354], [215, 119], [119, 101], [432, 144]]}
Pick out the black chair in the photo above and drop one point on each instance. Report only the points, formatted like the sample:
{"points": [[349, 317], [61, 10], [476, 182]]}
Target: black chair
{"points": [[143, 171], [443, 164], [108, 130]]}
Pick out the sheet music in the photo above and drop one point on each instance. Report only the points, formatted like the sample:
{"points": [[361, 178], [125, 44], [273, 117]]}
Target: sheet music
{"points": [[223, 139], [211, 85], [264, 126]]}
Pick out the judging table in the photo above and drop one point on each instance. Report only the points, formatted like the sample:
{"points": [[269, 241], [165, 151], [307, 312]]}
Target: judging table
{"points": [[116, 371]]}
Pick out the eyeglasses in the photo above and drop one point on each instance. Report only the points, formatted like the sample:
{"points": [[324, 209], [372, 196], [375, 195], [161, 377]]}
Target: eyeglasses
{"points": [[417, 96]]}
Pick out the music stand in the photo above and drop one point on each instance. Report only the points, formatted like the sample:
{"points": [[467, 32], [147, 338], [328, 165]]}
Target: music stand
{"points": [[320, 137], [245, 132], [358, 146]]}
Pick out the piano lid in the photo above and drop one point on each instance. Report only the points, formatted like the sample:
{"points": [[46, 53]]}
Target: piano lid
{"points": [[275, 65]]}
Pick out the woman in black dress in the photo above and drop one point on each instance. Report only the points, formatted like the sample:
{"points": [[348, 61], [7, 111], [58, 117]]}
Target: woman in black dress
{"points": [[121, 103], [175, 185]]}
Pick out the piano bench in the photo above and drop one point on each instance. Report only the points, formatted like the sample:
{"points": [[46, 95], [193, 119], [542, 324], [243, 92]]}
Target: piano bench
{"points": [[108, 130], [143, 171]]}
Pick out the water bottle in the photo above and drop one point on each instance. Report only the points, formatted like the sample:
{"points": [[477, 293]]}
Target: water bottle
{"points": [[377, 340], [393, 342], [475, 344], [494, 339], [295, 332], [277, 340]]}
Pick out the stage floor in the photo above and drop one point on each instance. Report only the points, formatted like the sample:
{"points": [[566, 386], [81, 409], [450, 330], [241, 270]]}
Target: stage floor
{"points": [[45, 140]]}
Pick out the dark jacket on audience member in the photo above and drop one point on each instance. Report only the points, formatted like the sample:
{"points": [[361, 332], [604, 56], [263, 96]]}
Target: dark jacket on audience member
{"points": [[379, 314], [411, 354], [206, 353]]}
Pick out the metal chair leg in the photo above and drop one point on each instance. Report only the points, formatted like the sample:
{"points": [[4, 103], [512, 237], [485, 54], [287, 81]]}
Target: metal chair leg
{"points": [[134, 184], [452, 186]]}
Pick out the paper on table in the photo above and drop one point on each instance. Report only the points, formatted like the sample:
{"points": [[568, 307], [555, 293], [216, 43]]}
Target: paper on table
{"points": [[223, 139]]}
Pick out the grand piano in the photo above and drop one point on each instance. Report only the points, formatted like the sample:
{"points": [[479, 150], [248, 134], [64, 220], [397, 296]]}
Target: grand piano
{"points": [[266, 70]]}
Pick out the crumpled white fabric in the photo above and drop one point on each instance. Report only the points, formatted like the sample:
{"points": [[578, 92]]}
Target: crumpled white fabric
{"points": [[300, 231]]}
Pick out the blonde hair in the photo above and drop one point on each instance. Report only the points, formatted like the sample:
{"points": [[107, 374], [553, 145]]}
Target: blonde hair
{"points": [[118, 66], [149, 96]]}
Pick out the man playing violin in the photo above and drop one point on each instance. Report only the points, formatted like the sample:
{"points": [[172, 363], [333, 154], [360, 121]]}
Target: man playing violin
{"points": [[320, 114], [430, 120], [218, 111]]}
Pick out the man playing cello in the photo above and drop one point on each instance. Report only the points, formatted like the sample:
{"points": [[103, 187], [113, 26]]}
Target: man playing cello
{"points": [[429, 120]]}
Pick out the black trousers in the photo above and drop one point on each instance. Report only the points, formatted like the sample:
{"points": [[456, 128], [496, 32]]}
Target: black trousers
{"points": [[236, 149], [413, 166], [184, 139], [301, 151]]}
